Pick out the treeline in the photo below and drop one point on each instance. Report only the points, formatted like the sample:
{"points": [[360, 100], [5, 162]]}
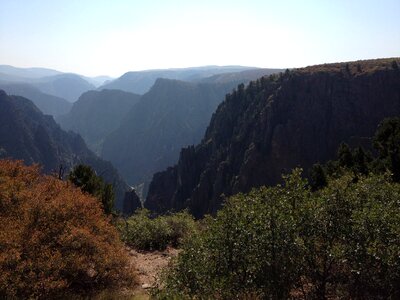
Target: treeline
{"points": [[335, 236], [361, 162]]}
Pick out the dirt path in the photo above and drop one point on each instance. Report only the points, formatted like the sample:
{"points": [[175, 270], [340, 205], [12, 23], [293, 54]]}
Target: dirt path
{"points": [[149, 265]]}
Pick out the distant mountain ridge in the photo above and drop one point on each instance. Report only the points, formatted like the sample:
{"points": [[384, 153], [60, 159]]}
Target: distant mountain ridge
{"points": [[16, 74], [48, 104], [140, 82], [28, 72], [27, 134], [172, 114], [68, 86], [275, 124], [239, 76], [96, 114]]}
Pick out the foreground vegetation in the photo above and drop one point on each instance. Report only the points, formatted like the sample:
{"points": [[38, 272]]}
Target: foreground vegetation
{"points": [[144, 232], [337, 236], [286, 241], [55, 240]]}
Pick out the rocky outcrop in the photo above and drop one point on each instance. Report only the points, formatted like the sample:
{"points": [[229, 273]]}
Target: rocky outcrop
{"points": [[131, 203], [275, 124]]}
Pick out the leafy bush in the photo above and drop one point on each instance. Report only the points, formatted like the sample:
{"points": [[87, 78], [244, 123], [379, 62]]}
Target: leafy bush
{"points": [[146, 233], [286, 241], [54, 240], [182, 226]]}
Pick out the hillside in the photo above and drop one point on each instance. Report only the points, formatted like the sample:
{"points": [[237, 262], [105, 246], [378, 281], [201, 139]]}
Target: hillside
{"points": [[15, 74], [27, 134], [140, 82], [171, 115], [239, 76], [96, 114], [48, 104], [275, 124], [27, 72], [67, 86]]}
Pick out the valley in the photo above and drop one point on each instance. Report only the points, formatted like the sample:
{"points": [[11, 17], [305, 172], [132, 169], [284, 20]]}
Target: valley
{"points": [[229, 150], [194, 150]]}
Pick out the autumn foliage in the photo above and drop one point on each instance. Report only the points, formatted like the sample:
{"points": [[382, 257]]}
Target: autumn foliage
{"points": [[54, 240]]}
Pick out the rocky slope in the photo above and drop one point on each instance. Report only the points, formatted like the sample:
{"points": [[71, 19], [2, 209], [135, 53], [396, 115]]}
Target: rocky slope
{"points": [[27, 134], [173, 114], [274, 124], [96, 114]]}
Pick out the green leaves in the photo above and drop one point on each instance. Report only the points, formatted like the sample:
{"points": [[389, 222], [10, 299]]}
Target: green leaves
{"points": [[340, 241], [387, 142], [146, 233], [84, 177]]}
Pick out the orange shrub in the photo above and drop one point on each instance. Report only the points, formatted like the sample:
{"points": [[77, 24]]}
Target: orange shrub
{"points": [[54, 240]]}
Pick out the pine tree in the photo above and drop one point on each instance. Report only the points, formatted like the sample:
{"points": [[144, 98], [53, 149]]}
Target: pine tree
{"points": [[344, 156], [387, 142], [85, 178], [317, 177]]}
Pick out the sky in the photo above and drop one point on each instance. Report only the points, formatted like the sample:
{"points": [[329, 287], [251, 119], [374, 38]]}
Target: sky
{"points": [[111, 37]]}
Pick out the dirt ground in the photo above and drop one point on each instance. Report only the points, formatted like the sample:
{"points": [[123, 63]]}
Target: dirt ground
{"points": [[148, 267]]}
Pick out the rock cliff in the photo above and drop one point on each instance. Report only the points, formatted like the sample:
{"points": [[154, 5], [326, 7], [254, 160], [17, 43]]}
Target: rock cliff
{"points": [[275, 124]]}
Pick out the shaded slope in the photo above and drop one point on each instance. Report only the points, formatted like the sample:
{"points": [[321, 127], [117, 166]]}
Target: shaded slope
{"points": [[27, 134], [67, 86], [172, 114], [276, 124], [98, 113], [48, 104]]}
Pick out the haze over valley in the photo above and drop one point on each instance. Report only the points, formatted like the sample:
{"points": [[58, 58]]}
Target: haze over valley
{"points": [[190, 150]]}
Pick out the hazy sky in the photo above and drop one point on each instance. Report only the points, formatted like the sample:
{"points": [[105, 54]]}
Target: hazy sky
{"points": [[111, 37]]}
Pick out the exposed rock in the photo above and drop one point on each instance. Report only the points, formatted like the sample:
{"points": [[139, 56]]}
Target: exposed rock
{"points": [[131, 203], [173, 114], [274, 125]]}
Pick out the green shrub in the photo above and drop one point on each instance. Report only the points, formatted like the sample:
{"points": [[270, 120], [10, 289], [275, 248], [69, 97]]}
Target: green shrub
{"points": [[342, 241], [182, 225], [145, 233], [250, 248]]}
